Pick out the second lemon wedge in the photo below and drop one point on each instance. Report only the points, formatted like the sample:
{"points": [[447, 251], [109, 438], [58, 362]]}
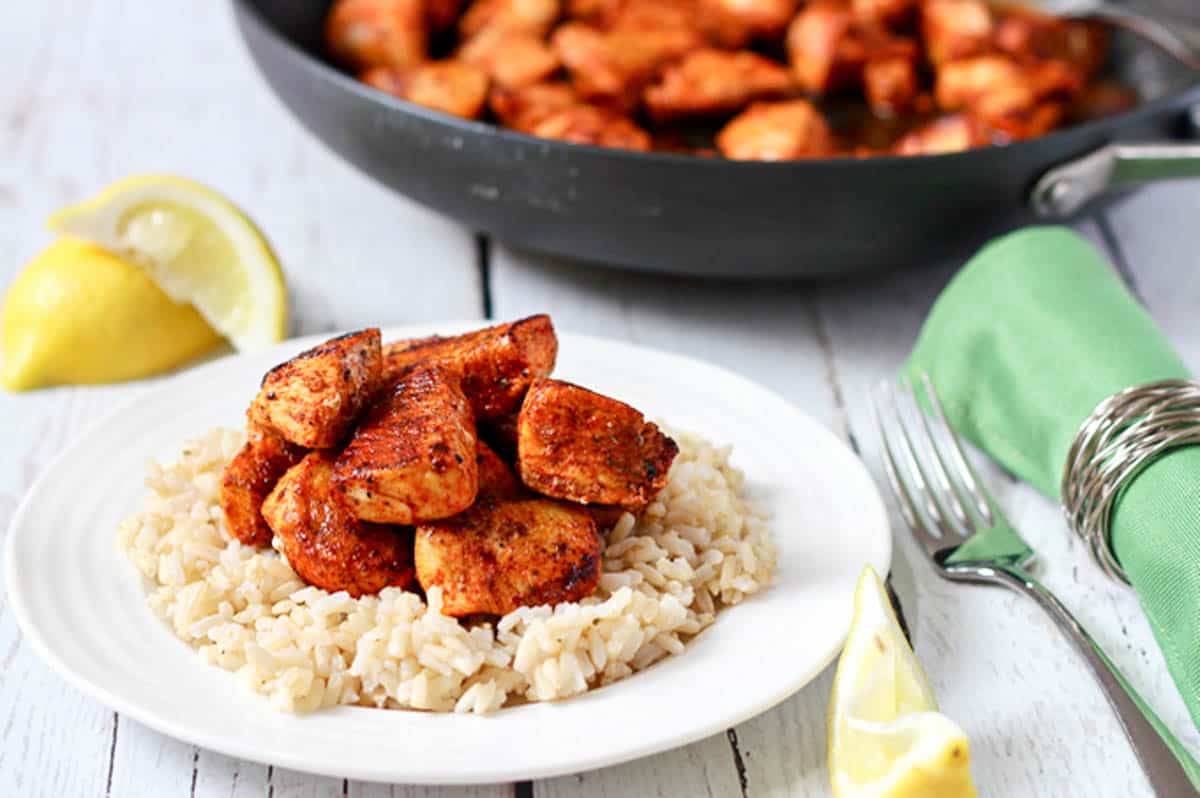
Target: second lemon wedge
{"points": [[196, 245], [886, 737]]}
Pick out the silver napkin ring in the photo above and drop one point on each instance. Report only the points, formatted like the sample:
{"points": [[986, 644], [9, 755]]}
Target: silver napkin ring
{"points": [[1122, 436]]}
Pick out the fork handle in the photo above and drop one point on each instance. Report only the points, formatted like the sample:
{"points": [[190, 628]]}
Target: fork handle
{"points": [[1170, 769]]}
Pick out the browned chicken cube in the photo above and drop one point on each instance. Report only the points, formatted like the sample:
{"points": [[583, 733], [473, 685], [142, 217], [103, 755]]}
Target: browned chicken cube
{"points": [[826, 51], [733, 22], [370, 33], [1102, 98], [1018, 100], [499, 556], [496, 479], [588, 124], [325, 544], [512, 59], [314, 399], [524, 108], [584, 447], [891, 83], [714, 82], [1030, 36], [528, 16], [452, 87], [955, 29], [885, 13], [494, 366], [780, 131], [413, 456], [249, 477], [953, 133], [609, 68]]}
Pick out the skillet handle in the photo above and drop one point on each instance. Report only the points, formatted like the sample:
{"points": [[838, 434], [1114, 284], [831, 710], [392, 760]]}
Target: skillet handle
{"points": [[1066, 188]]}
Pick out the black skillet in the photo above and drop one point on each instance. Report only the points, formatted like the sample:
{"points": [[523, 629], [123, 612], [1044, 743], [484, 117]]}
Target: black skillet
{"points": [[705, 216]]}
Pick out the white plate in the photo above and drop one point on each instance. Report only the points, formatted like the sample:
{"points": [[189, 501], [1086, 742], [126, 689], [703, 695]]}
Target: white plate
{"points": [[81, 604]]}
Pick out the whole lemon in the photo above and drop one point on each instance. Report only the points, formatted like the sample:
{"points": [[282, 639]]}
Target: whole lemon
{"points": [[79, 314]]}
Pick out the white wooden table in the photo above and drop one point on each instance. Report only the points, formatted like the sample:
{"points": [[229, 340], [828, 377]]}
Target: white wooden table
{"points": [[96, 90]]}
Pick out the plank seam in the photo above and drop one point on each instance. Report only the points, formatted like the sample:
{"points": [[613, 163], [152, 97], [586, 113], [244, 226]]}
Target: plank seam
{"points": [[112, 756], [195, 770], [523, 789], [483, 255], [738, 763]]}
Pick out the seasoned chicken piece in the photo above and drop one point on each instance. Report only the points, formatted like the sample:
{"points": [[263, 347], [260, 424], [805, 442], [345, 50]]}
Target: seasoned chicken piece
{"points": [[733, 22], [891, 83], [453, 87], [499, 556], [587, 124], [512, 59], [955, 29], [1018, 100], [494, 366], [522, 109], [326, 545], [369, 33], [826, 51], [885, 13], [527, 16], [610, 68], [584, 447], [249, 477], [713, 82], [953, 133], [413, 456], [1027, 35], [780, 131], [496, 479], [1102, 98], [313, 399]]}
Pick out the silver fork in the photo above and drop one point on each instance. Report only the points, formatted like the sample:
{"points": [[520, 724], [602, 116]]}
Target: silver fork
{"points": [[955, 519]]}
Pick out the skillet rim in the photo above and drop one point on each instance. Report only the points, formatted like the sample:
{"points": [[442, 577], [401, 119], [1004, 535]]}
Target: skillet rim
{"points": [[322, 70]]}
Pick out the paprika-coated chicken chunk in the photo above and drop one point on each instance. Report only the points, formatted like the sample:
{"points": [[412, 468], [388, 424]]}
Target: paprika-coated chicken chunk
{"points": [[324, 543], [891, 83], [955, 29], [1018, 100], [747, 19], [610, 68], [412, 458], [528, 16], [779, 131], [825, 48], [714, 82], [249, 477], [494, 366], [584, 447], [510, 58], [496, 479], [588, 124], [370, 33], [453, 87], [524, 108], [499, 556], [1029, 36], [314, 399], [884, 13], [952, 133]]}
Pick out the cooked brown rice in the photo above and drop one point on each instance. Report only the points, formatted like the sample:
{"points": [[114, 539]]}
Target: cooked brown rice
{"points": [[699, 547]]}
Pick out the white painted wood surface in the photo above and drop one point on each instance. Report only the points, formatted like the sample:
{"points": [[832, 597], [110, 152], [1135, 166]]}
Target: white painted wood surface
{"points": [[96, 90]]}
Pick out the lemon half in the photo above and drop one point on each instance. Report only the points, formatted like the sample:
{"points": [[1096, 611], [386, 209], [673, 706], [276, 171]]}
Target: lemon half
{"points": [[886, 736], [196, 245]]}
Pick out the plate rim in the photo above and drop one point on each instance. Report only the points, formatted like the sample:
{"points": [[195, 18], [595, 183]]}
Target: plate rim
{"points": [[382, 774]]}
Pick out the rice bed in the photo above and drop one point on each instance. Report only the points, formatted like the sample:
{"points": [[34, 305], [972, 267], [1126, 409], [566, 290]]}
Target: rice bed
{"points": [[698, 548]]}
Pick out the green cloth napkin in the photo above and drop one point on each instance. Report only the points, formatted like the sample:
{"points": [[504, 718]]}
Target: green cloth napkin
{"points": [[1022, 345]]}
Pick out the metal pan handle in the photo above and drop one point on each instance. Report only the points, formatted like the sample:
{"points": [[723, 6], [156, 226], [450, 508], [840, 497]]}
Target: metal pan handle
{"points": [[1066, 188]]}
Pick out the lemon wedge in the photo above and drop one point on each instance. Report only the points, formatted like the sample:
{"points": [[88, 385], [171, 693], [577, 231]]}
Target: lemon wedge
{"points": [[886, 737], [79, 314], [197, 245]]}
